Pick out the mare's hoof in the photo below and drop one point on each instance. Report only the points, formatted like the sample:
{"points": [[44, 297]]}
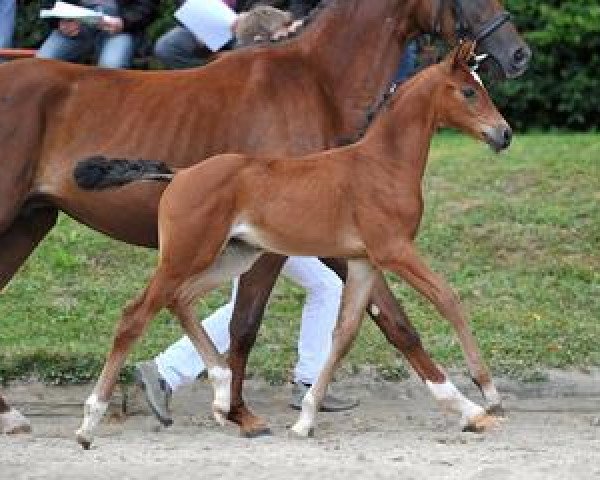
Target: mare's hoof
{"points": [[482, 423], [256, 432], [496, 410], [14, 423], [18, 429]]}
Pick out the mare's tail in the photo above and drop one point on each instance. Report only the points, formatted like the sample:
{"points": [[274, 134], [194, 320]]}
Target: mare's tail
{"points": [[98, 172]]}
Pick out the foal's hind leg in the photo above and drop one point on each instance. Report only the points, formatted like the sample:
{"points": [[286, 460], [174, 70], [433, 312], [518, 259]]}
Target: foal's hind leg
{"points": [[132, 324], [253, 293], [361, 275], [236, 258]]}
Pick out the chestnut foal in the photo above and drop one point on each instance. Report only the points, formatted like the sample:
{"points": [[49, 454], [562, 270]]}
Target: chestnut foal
{"points": [[362, 202]]}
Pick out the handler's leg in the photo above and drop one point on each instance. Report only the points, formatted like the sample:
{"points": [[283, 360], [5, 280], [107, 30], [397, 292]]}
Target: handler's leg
{"points": [[180, 363], [319, 316]]}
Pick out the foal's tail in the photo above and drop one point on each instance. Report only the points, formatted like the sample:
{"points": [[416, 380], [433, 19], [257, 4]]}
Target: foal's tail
{"points": [[98, 172]]}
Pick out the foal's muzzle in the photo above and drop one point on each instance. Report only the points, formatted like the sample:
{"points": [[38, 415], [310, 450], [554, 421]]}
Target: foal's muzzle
{"points": [[498, 137]]}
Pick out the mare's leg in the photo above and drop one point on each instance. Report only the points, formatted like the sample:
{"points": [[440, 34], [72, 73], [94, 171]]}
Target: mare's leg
{"points": [[390, 317], [405, 262], [21, 238], [12, 421], [16, 244], [253, 293], [361, 275]]}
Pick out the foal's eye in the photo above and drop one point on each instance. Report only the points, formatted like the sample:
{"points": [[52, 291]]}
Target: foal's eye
{"points": [[469, 92]]}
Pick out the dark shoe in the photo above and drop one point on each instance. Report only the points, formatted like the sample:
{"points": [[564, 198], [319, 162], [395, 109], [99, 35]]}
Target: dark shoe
{"points": [[330, 403], [158, 392]]}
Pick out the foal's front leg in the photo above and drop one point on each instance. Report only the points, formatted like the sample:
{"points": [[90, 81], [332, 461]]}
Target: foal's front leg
{"points": [[390, 317], [361, 275], [404, 260]]}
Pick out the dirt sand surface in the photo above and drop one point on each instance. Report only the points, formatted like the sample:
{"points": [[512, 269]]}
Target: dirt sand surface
{"points": [[552, 431]]}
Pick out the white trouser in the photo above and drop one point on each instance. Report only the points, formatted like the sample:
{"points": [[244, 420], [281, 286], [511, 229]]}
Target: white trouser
{"points": [[181, 364]]}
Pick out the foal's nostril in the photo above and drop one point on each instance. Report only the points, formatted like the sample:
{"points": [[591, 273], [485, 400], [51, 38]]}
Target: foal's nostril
{"points": [[507, 135]]}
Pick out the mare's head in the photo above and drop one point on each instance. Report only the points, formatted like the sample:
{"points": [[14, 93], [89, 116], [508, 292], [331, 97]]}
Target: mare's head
{"points": [[483, 21], [461, 101]]}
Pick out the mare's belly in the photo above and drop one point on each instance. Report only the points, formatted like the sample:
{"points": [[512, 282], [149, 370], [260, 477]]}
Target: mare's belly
{"points": [[128, 213]]}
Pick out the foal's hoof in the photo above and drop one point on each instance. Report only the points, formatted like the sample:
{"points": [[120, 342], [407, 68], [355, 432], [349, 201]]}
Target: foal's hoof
{"points": [[302, 431], [14, 423], [496, 410], [220, 415], [83, 439], [482, 423]]}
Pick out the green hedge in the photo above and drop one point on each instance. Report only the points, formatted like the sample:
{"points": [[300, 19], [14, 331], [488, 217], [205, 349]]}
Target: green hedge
{"points": [[561, 90], [562, 87]]}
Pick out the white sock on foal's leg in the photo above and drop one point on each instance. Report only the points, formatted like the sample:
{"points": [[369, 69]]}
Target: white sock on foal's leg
{"points": [[93, 411], [305, 424], [13, 422], [452, 400], [221, 380]]}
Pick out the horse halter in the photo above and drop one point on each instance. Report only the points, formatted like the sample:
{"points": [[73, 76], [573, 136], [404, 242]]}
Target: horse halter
{"points": [[464, 31]]}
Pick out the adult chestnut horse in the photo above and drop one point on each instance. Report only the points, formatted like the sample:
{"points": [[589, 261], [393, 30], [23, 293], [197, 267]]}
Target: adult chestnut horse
{"points": [[362, 202], [300, 96]]}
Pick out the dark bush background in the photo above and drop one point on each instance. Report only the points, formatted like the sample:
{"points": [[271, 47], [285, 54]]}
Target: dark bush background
{"points": [[561, 89]]}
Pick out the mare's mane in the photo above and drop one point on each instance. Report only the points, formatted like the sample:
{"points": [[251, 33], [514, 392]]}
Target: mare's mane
{"points": [[306, 21]]}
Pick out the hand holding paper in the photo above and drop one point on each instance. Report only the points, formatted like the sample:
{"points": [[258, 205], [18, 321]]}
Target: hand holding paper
{"points": [[67, 11], [210, 21]]}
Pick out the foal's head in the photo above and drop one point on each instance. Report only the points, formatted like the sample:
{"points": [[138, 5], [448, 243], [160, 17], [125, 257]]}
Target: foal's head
{"points": [[462, 102]]}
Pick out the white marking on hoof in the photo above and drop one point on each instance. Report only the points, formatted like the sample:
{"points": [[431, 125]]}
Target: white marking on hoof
{"points": [[13, 422], [93, 411], [304, 427], [221, 380], [452, 400]]}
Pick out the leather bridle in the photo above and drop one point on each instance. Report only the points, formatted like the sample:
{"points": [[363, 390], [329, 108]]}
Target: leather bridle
{"points": [[463, 29]]}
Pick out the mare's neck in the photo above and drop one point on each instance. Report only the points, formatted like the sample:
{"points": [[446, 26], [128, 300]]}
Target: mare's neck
{"points": [[358, 45], [400, 138]]}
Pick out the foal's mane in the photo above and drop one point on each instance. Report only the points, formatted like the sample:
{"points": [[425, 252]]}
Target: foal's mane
{"points": [[394, 94]]}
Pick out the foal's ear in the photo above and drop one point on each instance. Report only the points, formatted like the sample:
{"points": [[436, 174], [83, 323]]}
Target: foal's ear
{"points": [[464, 54]]}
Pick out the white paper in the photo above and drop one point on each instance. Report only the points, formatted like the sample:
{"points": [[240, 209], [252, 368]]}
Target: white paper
{"points": [[73, 12], [210, 21]]}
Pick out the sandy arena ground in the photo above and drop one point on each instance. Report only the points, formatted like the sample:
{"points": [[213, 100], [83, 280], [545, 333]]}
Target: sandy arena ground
{"points": [[552, 432]]}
